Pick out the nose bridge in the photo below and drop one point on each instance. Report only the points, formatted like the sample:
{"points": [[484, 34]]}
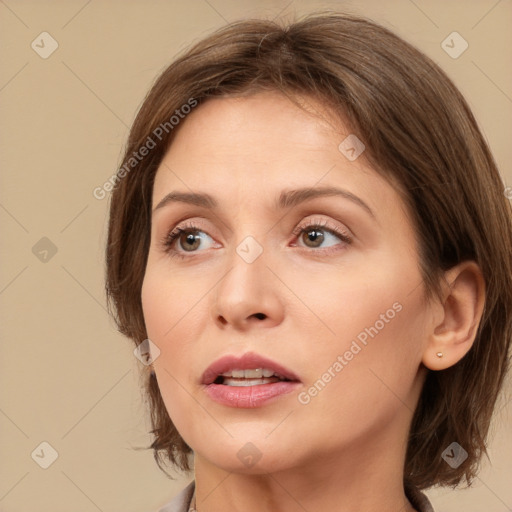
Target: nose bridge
{"points": [[247, 291], [247, 274]]}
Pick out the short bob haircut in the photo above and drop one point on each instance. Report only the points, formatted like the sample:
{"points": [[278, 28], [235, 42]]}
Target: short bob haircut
{"points": [[419, 134]]}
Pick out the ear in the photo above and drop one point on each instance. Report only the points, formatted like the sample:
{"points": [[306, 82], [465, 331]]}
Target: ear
{"points": [[454, 330]]}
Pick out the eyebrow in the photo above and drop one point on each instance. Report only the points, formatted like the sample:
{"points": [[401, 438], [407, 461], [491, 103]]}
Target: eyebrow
{"points": [[287, 198]]}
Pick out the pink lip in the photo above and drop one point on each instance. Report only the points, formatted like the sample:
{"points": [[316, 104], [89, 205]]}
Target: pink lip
{"points": [[250, 396]]}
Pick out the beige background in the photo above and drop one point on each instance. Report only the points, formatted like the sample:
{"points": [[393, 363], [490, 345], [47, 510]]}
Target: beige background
{"points": [[66, 376]]}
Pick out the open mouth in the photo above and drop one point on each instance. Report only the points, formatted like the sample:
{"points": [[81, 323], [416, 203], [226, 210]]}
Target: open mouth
{"points": [[250, 377], [247, 370], [248, 380]]}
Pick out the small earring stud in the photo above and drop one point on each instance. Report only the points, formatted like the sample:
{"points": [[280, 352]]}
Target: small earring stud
{"points": [[439, 354]]}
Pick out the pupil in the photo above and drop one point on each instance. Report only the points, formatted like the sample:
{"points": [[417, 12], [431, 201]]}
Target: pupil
{"points": [[314, 236], [191, 241]]}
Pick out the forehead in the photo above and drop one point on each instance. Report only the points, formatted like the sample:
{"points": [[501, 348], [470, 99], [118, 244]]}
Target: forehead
{"points": [[257, 140], [245, 124]]}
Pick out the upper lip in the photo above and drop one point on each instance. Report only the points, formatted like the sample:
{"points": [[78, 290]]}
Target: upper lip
{"points": [[247, 361]]}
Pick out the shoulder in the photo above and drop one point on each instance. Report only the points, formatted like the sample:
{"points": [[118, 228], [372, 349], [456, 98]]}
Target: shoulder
{"points": [[181, 502], [418, 500]]}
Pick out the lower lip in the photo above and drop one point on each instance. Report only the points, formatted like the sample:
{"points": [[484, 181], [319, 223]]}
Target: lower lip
{"points": [[250, 396]]}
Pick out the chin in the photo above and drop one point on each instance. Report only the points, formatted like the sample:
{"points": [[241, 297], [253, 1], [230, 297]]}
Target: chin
{"points": [[250, 457]]}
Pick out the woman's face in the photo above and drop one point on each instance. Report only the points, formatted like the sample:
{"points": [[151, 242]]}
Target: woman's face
{"points": [[273, 274]]}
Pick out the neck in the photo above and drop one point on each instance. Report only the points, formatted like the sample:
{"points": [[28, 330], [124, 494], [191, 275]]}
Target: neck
{"points": [[355, 480]]}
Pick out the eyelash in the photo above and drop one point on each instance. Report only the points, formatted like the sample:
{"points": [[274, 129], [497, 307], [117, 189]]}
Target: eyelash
{"points": [[170, 239]]}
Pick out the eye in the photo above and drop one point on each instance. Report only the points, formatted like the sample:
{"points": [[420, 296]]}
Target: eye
{"points": [[319, 234], [183, 239]]}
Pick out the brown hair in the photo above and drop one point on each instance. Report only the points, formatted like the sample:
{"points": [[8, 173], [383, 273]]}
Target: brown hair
{"points": [[419, 132]]}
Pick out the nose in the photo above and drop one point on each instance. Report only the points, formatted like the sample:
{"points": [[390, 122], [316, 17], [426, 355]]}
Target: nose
{"points": [[247, 296]]}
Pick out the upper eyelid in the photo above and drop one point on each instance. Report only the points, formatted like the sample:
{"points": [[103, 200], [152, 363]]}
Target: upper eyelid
{"points": [[196, 225], [193, 225]]}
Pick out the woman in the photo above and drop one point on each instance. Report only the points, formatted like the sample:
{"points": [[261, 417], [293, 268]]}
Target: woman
{"points": [[309, 241]]}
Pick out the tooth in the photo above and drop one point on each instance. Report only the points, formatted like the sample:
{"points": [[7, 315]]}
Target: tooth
{"points": [[253, 374], [247, 382]]}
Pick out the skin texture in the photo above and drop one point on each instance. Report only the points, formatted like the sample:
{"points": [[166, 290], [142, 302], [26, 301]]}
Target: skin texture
{"points": [[345, 448]]}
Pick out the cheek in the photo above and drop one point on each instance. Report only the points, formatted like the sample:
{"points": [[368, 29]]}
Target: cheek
{"points": [[375, 360], [367, 362], [170, 302], [158, 315], [358, 303], [169, 317]]}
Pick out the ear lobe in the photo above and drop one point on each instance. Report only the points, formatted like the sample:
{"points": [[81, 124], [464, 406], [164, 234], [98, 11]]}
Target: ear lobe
{"points": [[452, 337]]}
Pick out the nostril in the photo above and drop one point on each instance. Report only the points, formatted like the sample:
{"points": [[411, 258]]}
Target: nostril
{"points": [[260, 316]]}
